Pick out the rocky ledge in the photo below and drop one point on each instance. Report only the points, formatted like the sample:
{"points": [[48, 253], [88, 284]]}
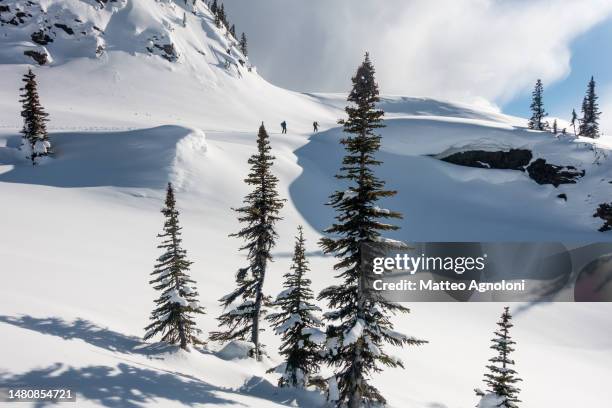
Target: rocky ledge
{"points": [[517, 159]]}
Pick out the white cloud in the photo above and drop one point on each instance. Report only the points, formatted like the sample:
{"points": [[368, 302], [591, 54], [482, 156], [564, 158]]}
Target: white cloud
{"points": [[455, 49]]}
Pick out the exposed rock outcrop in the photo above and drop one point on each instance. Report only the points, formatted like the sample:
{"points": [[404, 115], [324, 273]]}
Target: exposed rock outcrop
{"points": [[166, 51], [514, 159], [41, 38], [544, 173], [38, 56], [517, 159], [67, 30], [605, 213]]}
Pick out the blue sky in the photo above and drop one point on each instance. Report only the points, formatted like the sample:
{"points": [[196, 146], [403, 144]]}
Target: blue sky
{"points": [[591, 55]]}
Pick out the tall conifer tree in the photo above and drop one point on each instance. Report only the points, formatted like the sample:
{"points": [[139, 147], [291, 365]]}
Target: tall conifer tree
{"points": [[259, 216], [538, 113], [574, 120], [501, 378], [222, 16], [173, 315], [359, 324], [296, 321], [244, 47], [35, 138], [589, 125]]}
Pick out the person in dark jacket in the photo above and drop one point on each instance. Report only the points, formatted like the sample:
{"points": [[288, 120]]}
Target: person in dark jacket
{"points": [[284, 126], [315, 126]]}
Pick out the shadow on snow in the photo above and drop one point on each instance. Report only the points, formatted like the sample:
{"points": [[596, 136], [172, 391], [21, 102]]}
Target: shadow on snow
{"points": [[127, 385], [122, 386], [88, 332]]}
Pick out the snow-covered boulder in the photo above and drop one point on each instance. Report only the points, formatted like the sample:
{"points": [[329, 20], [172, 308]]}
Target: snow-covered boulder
{"points": [[42, 147], [236, 350], [491, 401]]}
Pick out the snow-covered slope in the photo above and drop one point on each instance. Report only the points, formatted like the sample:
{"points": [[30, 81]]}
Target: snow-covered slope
{"points": [[131, 81], [77, 234]]}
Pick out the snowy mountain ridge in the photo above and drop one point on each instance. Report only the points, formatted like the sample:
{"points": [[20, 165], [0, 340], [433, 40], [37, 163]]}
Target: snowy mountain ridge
{"points": [[136, 58], [53, 32]]}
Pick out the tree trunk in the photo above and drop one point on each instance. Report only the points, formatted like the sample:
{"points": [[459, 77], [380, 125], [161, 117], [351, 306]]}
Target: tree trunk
{"points": [[257, 310], [182, 336], [355, 383], [255, 328], [356, 380]]}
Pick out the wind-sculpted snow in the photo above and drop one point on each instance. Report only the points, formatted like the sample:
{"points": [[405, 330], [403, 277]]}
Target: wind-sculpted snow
{"points": [[140, 158], [442, 201]]}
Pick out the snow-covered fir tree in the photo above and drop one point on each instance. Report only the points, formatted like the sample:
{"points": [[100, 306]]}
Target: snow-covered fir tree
{"points": [[178, 301], [359, 324], [232, 30], [222, 16], [589, 124], [297, 322], [538, 113], [214, 7], [244, 46], [555, 127], [35, 140], [502, 378], [259, 216]]}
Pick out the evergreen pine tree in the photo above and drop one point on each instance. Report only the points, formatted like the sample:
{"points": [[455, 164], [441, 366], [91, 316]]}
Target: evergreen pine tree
{"points": [[555, 128], [259, 215], [501, 378], [217, 20], [233, 30], [573, 121], [34, 133], [244, 45], [172, 317], [214, 7], [184, 19], [538, 114], [589, 125], [222, 16], [359, 324], [296, 323]]}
